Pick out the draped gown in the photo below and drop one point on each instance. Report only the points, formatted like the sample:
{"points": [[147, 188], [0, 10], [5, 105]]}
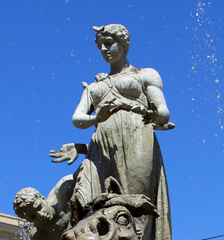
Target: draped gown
{"points": [[127, 149]]}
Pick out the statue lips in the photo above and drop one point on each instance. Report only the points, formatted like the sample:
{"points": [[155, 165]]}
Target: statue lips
{"points": [[107, 55]]}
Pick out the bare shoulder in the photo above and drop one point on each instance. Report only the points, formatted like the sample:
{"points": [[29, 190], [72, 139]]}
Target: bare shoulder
{"points": [[150, 77], [93, 84], [62, 190], [86, 86], [64, 187], [98, 78]]}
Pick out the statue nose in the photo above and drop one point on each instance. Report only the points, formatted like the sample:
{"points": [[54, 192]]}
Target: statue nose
{"points": [[100, 226], [96, 229], [103, 48]]}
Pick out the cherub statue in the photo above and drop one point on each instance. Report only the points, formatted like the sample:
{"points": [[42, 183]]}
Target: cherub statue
{"points": [[51, 216]]}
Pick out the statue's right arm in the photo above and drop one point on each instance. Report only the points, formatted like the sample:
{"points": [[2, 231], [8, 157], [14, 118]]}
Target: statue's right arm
{"points": [[82, 117]]}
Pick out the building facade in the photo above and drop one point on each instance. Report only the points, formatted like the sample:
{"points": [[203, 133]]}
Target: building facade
{"points": [[13, 227]]}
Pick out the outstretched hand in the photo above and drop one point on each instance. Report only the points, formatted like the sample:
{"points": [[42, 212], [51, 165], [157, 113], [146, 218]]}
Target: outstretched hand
{"points": [[67, 152]]}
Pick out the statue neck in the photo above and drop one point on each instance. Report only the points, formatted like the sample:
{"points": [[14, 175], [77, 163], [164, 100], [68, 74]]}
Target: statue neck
{"points": [[118, 66]]}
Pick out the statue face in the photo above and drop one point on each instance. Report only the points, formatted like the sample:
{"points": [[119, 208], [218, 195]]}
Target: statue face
{"points": [[40, 213], [110, 48]]}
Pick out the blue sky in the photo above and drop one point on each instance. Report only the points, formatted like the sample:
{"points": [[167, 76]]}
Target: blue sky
{"points": [[47, 50]]}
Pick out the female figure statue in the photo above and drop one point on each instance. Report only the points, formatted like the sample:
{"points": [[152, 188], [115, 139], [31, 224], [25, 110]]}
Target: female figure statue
{"points": [[128, 105]]}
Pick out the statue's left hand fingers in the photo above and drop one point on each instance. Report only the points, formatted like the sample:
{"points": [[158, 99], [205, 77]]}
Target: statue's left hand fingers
{"points": [[146, 121]]}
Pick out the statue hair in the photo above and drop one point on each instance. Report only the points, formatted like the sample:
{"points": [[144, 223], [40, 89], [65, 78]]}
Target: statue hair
{"points": [[117, 31], [24, 200]]}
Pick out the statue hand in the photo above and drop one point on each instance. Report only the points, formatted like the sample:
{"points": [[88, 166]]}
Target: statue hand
{"points": [[106, 110], [148, 117], [67, 152], [167, 126]]}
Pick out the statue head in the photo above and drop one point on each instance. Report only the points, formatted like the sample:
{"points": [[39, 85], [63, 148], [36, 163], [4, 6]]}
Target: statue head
{"points": [[116, 31], [31, 205]]}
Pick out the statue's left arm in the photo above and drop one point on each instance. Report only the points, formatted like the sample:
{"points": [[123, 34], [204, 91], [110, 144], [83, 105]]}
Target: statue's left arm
{"points": [[69, 151], [153, 88]]}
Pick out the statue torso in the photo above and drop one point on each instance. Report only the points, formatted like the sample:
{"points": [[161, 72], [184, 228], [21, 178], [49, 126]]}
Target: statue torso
{"points": [[125, 87]]}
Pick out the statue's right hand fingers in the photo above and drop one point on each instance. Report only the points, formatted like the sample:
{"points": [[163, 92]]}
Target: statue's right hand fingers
{"points": [[61, 159], [55, 154], [114, 109], [111, 101], [74, 156], [71, 161], [105, 106]]}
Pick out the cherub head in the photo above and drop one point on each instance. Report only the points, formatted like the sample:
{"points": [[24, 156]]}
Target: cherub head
{"points": [[31, 205]]}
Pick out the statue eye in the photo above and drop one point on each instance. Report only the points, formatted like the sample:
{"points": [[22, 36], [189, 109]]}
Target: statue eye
{"points": [[123, 219], [109, 42], [99, 45]]}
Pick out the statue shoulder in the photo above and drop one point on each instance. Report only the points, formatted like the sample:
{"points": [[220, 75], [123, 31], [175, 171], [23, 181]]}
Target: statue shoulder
{"points": [[99, 77], [62, 190], [150, 77]]}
